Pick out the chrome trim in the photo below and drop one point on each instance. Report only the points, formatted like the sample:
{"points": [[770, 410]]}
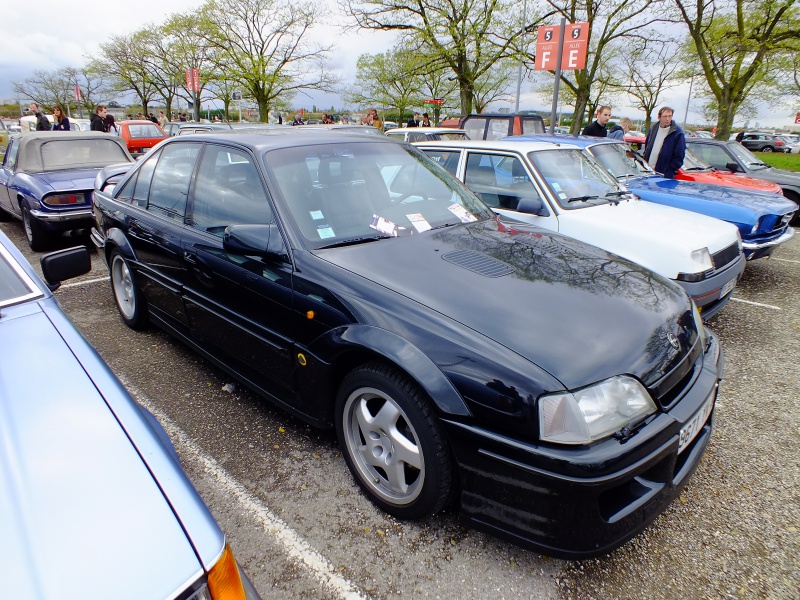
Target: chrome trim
{"points": [[789, 234], [189, 582], [62, 216]]}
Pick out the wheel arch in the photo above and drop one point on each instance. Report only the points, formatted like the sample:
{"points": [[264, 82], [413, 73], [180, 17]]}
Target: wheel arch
{"points": [[116, 240], [344, 349]]}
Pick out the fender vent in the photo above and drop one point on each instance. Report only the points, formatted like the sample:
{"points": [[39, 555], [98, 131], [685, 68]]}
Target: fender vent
{"points": [[478, 263]]}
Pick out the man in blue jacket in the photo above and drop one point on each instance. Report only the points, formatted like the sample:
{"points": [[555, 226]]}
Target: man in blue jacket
{"points": [[665, 145]]}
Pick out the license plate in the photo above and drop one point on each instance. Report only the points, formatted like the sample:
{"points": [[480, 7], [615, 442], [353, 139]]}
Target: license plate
{"points": [[693, 427], [726, 289], [145, 149]]}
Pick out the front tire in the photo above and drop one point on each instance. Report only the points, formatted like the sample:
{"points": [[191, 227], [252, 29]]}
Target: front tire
{"points": [[392, 442], [37, 239], [130, 302]]}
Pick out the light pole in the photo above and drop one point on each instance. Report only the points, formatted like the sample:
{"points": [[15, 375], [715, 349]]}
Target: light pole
{"points": [[519, 67], [686, 114]]}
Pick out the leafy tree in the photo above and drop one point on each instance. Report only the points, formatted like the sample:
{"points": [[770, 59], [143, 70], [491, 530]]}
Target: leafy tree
{"points": [[492, 85], [736, 42], [263, 45], [125, 63], [467, 37]]}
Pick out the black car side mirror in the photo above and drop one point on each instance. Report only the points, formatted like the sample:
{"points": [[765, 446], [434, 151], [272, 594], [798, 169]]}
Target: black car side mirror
{"points": [[532, 206], [261, 240], [733, 167], [65, 264]]}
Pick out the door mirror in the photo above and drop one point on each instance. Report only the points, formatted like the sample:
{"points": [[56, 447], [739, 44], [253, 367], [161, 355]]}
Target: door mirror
{"points": [[532, 206], [733, 167], [261, 240], [65, 264]]}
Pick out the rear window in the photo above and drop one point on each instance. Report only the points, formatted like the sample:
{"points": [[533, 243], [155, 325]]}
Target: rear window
{"points": [[145, 131], [70, 153]]}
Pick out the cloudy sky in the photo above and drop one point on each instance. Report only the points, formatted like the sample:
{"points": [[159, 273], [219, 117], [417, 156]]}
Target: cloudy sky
{"points": [[48, 36]]}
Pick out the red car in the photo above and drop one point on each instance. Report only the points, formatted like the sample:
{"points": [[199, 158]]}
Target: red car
{"points": [[695, 169], [140, 136]]}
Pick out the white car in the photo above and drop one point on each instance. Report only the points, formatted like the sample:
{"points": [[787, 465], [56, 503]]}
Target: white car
{"points": [[560, 188], [424, 134]]}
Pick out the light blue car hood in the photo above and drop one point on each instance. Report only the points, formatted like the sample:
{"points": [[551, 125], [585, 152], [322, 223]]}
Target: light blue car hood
{"points": [[80, 513]]}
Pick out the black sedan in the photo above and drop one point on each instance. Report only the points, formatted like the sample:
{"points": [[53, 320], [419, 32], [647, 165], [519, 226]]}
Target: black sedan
{"points": [[562, 395], [732, 156]]}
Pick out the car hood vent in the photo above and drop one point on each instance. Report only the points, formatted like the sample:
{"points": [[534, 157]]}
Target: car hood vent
{"points": [[478, 263]]}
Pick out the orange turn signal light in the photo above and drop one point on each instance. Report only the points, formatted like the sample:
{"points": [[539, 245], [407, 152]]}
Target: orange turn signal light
{"points": [[224, 582]]}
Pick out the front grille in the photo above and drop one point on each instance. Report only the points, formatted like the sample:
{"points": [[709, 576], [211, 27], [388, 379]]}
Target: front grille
{"points": [[725, 256]]}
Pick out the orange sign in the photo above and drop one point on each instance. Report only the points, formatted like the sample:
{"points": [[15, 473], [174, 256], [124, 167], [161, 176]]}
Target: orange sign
{"points": [[797, 118], [573, 54]]}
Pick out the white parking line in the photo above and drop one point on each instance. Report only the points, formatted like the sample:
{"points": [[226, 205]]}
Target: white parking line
{"points": [[756, 304], [84, 282], [294, 545], [796, 262]]}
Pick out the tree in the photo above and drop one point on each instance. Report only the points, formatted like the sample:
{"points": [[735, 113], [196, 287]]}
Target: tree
{"points": [[49, 88], [735, 42], [467, 37], [610, 23], [647, 69], [125, 62], [493, 85], [263, 45]]}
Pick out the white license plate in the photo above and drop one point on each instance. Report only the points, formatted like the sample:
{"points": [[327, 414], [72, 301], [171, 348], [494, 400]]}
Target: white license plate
{"points": [[693, 427], [726, 289]]}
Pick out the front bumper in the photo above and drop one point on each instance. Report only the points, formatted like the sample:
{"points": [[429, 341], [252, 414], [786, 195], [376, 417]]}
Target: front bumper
{"points": [[583, 501], [754, 250], [707, 294]]}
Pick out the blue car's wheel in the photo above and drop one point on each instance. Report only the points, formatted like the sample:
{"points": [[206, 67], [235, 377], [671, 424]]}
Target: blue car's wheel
{"points": [[36, 237], [392, 442], [129, 300]]}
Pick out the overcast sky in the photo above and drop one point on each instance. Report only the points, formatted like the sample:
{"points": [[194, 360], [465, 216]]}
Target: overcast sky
{"points": [[47, 35]]}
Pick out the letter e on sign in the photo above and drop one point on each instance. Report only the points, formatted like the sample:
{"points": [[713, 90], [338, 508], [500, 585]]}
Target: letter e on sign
{"points": [[576, 41]]}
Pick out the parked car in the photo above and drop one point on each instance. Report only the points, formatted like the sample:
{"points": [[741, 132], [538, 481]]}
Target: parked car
{"points": [[762, 218], [559, 188], [387, 125], [176, 127], [489, 126], [4, 134], [790, 145], [762, 142], [635, 138], [696, 169], [13, 127], [700, 133], [356, 284], [80, 124], [422, 134], [27, 123], [47, 177], [732, 156], [140, 135], [94, 503]]}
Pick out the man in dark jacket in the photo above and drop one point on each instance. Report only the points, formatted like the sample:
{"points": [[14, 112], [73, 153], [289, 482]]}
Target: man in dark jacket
{"points": [[665, 145], [42, 122], [597, 128], [98, 120], [413, 121]]}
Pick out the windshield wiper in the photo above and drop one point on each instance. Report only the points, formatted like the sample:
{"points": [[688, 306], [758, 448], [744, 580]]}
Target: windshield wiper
{"points": [[443, 225], [582, 198], [696, 169], [616, 195], [354, 241], [760, 164]]}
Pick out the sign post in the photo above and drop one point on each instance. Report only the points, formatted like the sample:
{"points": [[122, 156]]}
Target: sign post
{"points": [[561, 47]]}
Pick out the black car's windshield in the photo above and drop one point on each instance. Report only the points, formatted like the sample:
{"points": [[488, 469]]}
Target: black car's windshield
{"points": [[358, 192], [747, 157], [620, 160], [575, 178]]}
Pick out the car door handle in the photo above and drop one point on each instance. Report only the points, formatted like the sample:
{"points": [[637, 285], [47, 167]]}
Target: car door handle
{"points": [[190, 258]]}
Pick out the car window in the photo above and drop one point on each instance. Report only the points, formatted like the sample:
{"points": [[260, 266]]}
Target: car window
{"points": [[169, 188], [447, 159], [501, 180], [575, 179], [228, 191], [145, 131], [70, 153], [474, 128], [10, 160], [498, 128], [364, 191], [532, 125], [620, 160], [15, 285]]}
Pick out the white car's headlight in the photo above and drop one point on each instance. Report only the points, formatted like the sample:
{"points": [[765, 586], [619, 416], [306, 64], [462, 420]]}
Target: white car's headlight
{"points": [[702, 259], [595, 412]]}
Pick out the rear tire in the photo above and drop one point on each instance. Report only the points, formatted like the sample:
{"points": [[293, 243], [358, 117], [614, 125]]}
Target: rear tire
{"points": [[393, 442], [37, 239], [767, 149], [130, 302]]}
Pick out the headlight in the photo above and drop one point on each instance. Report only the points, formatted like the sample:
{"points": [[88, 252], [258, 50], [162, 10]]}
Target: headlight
{"points": [[755, 227], [595, 412], [702, 259]]}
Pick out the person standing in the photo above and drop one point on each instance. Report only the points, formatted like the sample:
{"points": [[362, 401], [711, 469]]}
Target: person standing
{"points": [[426, 122], [665, 145], [413, 121], [597, 128], [61, 120], [162, 119], [111, 127], [42, 122], [618, 131], [98, 120]]}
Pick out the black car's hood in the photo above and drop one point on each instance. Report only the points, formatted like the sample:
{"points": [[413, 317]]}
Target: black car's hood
{"points": [[574, 310]]}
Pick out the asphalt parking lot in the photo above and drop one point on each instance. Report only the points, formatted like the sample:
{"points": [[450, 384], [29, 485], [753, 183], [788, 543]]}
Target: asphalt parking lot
{"points": [[301, 529]]}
